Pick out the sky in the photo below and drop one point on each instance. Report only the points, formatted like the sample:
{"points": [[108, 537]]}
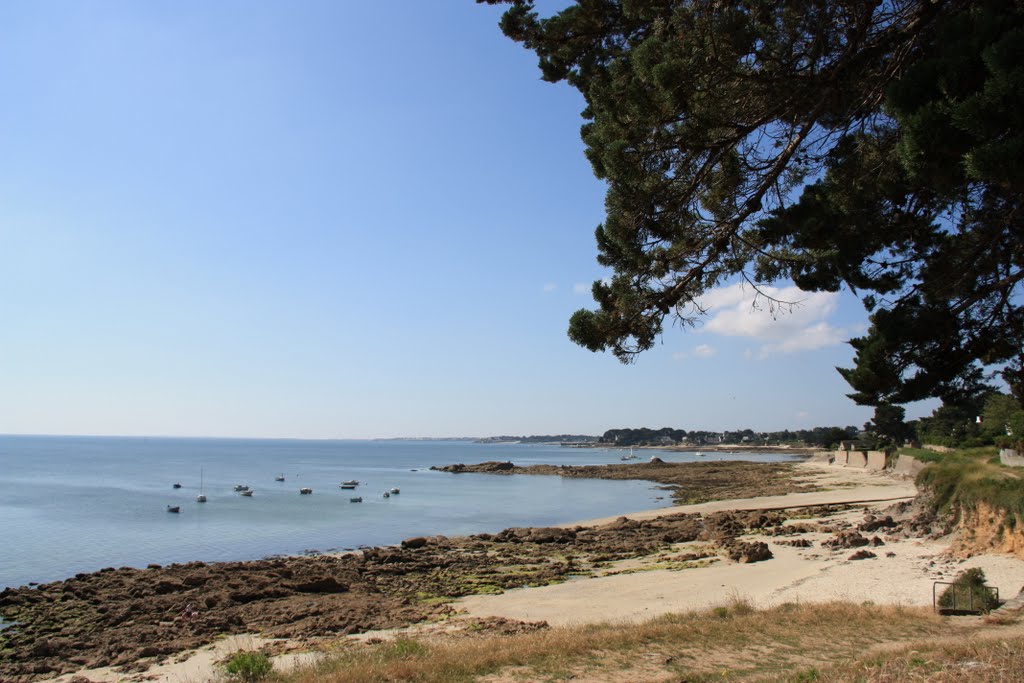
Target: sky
{"points": [[327, 219]]}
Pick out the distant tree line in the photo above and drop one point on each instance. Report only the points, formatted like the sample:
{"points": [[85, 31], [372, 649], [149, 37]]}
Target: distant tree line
{"points": [[823, 437], [983, 416]]}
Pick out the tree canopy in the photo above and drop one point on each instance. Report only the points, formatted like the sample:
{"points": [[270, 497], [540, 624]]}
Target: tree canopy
{"points": [[871, 145]]}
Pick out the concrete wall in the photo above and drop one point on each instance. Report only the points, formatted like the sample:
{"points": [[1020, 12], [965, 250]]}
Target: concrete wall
{"points": [[857, 459], [871, 460], [876, 460], [1011, 457]]}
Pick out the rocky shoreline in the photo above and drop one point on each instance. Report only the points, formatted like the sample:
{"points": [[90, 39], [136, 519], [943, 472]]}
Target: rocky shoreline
{"points": [[132, 618], [690, 482]]}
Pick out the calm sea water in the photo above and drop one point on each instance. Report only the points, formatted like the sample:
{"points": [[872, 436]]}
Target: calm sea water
{"points": [[77, 504]]}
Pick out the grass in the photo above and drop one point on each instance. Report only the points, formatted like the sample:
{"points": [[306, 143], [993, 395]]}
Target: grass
{"points": [[727, 643], [995, 660], [981, 453], [964, 482]]}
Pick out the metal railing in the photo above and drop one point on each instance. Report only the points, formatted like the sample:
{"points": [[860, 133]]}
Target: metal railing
{"points": [[962, 599]]}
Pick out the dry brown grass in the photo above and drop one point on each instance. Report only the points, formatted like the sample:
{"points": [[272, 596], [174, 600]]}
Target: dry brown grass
{"points": [[980, 661], [734, 643]]}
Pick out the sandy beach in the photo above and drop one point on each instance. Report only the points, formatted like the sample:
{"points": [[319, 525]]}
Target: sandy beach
{"points": [[902, 573], [691, 575]]}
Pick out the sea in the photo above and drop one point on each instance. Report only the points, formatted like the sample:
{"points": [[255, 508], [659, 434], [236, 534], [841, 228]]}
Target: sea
{"points": [[80, 504]]}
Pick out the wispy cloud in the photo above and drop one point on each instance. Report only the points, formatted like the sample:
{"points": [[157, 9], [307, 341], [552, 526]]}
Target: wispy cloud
{"points": [[700, 351], [581, 288], [738, 311], [550, 287], [704, 351]]}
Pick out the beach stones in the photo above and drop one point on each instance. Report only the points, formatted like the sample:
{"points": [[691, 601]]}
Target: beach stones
{"points": [[846, 539], [744, 552]]}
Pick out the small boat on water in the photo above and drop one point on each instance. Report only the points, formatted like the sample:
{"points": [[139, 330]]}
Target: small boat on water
{"points": [[176, 485], [395, 490], [241, 487], [174, 508], [279, 477], [306, 491], [387, 494], [350, 482], [357, 499], [347, 486], [201, 498], [247, 493]]}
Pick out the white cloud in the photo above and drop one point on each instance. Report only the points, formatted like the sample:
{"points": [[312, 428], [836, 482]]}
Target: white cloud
{"points": [[704, 351], [581, 288], [802, 415], [550, 287], [816, 336], [700, 351], [739, 311]]}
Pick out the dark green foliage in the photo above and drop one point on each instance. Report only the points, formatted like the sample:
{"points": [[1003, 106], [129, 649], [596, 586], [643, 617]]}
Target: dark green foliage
{"points": [[249, 667], [969, 592], [1004, 421], [839, 143], [826, 437], [983, 417], [887, 429]]}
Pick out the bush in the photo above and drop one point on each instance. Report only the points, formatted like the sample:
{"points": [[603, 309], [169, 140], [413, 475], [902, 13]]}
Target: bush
{"points": [[249, 667], [968, 592]]}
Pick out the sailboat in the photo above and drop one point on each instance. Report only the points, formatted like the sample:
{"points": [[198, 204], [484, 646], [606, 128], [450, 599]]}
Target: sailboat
{"points": [[201, 498]]}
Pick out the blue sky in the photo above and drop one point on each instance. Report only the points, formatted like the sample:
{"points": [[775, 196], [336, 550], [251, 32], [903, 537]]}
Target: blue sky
{"points": [[333, 220]]}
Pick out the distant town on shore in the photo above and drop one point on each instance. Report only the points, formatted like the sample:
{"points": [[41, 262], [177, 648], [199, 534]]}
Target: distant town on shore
{"points": [[666, 437]]}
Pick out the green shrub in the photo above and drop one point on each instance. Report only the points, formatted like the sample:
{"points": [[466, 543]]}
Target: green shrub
{"points": [[249, 667], [969, 592]]}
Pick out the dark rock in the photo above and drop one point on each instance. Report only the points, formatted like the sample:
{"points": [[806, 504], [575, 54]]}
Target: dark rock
{"points": [[743, 552], [165, 587], [862, 555], [846, 539], [871, 523], [327, 584], [413, 543]]}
